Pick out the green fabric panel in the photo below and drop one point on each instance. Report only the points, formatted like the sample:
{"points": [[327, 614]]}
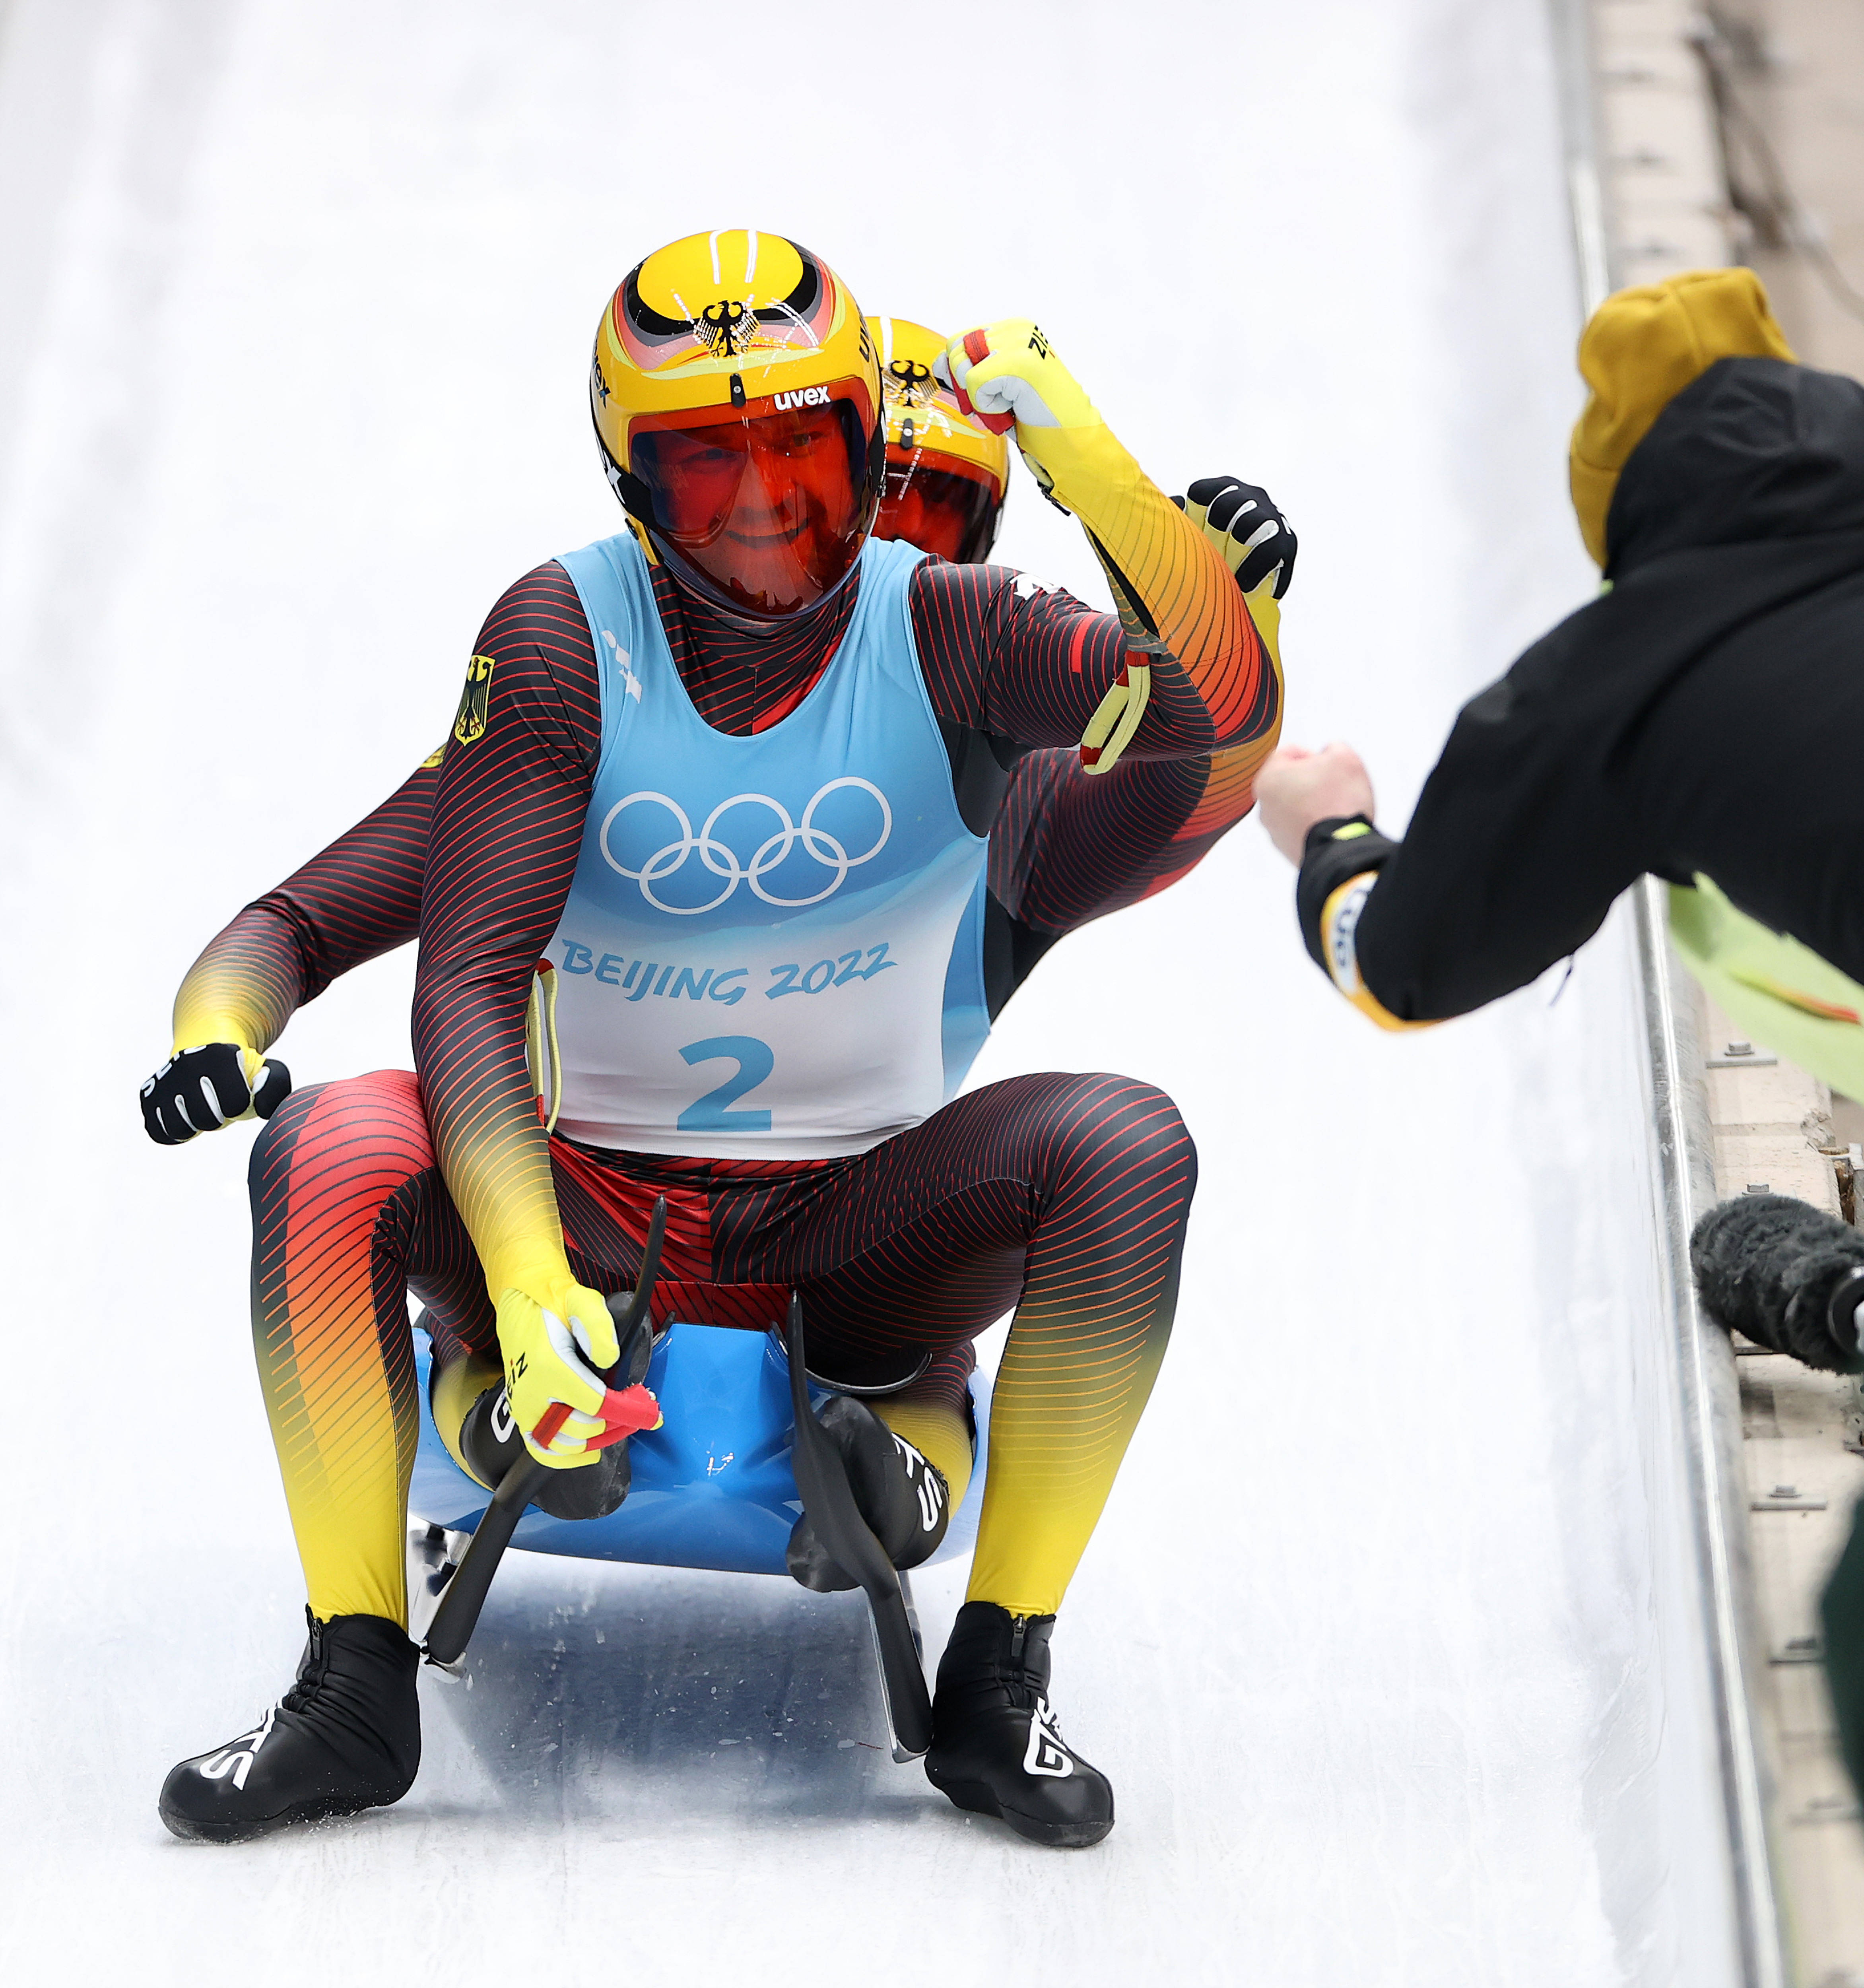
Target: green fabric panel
{"points": [[1740, 962]]}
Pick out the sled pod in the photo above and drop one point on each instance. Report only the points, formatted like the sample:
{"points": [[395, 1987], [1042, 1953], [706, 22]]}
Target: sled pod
{"points": [[713, 1487]]}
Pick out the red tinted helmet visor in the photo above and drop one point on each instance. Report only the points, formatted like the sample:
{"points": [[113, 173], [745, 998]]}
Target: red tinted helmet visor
{"points": [[763, 508], [939, 504]]}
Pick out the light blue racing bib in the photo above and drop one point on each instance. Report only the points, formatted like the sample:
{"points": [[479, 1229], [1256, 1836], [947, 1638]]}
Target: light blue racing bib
{"points": [[773, 945]]}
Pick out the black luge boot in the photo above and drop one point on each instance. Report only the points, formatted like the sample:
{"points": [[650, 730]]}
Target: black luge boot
{"points": [[997, 1747], [903, 1498], [345, 1736], [489, 1441]]}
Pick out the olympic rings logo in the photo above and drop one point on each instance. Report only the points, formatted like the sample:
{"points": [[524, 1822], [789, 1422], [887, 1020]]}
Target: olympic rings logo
{"points": [[721, 860]]}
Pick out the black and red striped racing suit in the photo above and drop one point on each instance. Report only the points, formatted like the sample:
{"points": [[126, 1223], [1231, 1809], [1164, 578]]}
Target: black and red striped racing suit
{"points": [[1063, 1196]]}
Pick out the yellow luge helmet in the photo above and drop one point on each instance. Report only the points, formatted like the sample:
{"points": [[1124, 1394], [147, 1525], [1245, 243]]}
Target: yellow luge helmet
{"points": [[1642, 347], [736, 396], [946, 473]]}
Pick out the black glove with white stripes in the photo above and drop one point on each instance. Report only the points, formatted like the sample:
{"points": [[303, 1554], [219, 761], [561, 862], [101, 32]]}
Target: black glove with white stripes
{"points": [[1255, 541], [200, 1090]]}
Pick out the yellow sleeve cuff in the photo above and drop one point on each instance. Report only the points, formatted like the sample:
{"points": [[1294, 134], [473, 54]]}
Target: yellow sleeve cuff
{"points": [[1339, 929], [193, 1031], [1265, 611]]}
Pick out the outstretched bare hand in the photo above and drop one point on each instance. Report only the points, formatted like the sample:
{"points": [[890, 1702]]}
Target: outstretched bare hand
{"points": [[1297, 788]]}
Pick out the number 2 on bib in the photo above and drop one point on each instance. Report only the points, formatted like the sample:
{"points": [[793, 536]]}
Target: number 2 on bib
{"points": [[710, 1114]]}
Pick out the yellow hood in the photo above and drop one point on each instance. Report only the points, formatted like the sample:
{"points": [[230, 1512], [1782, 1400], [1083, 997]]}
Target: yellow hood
{"points": [[1642, 348]]}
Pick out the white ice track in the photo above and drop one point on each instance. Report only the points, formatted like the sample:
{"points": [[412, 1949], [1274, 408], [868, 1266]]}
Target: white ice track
{"points": [[1387, 1639]]}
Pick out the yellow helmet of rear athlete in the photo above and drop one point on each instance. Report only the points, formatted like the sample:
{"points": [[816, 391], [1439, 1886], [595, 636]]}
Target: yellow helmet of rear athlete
{"points": [[1642, 348], [736, 395], [946, 474]]}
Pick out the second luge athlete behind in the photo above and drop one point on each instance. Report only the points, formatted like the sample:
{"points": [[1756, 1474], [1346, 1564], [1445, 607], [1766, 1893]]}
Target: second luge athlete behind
{"points": [[768, 948]]}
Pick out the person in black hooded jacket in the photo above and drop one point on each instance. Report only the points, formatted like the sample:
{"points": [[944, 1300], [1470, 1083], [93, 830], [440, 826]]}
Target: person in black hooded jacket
{"points": [[1702, 719]]}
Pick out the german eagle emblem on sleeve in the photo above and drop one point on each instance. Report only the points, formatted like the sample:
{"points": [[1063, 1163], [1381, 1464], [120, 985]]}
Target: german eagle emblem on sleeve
{"points": [[470, 723]]}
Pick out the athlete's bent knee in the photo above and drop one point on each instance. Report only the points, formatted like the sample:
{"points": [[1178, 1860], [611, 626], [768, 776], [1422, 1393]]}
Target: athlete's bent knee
{"points": [[361, 1126], [1103, 1109], [1103, 1117]]}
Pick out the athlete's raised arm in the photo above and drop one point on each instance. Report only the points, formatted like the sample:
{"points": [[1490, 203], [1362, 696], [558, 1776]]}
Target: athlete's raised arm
{"points": [[1180, 670]]}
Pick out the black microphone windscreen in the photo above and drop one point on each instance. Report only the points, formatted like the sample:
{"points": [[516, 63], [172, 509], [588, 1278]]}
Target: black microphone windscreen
{"points": [[1767, 1265]]}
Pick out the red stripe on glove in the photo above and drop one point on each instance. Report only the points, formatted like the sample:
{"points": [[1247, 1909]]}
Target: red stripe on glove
{"points": [[624, 1413], [976, 349]]}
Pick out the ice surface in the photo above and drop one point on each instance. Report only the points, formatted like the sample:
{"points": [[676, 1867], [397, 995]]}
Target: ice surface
{"points": [[1387, 1639]]}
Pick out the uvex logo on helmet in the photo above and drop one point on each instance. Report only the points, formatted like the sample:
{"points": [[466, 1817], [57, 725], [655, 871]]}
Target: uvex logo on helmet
{"points": [[807, 397]]}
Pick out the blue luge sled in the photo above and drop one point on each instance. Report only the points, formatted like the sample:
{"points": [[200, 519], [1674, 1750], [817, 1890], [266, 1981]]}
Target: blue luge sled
{"points": [[713, 1487]]}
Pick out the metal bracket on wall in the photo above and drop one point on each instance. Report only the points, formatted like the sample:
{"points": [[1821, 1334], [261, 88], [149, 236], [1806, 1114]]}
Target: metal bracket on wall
{"points": [[1741, 1055]]}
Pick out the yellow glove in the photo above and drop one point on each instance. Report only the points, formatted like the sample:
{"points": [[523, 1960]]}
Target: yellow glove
{"points": [[553, 1343], [1007, 372]]}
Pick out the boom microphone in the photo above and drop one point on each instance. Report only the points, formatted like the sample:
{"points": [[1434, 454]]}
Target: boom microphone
{"points": [[1786, 1274]]}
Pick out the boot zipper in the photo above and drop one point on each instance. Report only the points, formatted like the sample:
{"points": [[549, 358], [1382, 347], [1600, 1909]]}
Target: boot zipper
{"points": [[303, 1689], [1019, 1625]]}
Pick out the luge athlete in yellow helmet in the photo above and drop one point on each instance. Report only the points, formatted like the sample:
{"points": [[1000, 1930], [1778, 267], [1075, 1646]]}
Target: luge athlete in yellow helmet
{"points": [[687, 761]]}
